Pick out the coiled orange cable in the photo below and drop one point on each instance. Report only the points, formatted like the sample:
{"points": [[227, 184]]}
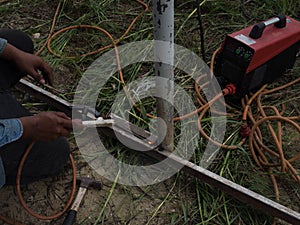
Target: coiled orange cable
{"points": [[261, 153]]}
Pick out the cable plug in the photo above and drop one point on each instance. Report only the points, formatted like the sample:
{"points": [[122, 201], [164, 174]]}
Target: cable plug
{"points": [[230, 89], [245, 130]]}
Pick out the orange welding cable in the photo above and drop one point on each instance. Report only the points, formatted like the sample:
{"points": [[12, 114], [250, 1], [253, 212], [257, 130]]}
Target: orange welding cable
{"points": [[200, 99], [67, 205], [205, 107], [256, 145], [53, 36], [51, 29], [276, 137], [278, 114], [282, 86], [22, 201], [212, 61], [253, 97], [201, 130]]}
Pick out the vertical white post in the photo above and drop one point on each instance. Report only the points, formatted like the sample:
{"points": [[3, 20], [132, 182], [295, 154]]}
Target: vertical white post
{"points": [[163, 18]]}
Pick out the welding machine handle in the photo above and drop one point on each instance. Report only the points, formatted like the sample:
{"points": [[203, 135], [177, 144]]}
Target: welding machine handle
{"points": [[71, 217], [258, 29]]}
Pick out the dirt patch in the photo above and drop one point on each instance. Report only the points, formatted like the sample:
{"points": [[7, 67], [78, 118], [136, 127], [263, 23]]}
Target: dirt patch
{"points": [[127, 205]]}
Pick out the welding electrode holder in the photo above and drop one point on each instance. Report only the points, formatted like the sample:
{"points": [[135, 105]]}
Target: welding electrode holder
{"points": [[91, 117], [258, 29]]}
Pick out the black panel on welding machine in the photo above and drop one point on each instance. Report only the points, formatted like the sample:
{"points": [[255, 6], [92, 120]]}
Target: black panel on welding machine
{"points": [[270, 71], [280, 63], [231, 72], [231, 64], [232, 67], [257, 79]]}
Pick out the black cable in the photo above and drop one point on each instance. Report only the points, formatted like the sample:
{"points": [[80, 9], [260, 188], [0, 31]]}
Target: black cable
{"points": [[201, 30]]}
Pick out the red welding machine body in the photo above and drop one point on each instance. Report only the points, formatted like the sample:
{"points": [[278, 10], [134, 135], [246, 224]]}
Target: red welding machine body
{"points": [[258, 54]]}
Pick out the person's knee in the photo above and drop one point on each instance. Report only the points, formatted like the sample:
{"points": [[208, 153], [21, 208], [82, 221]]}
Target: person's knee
{"points": [[18, 39], [62, 152], [64, 146], [48, 158]]}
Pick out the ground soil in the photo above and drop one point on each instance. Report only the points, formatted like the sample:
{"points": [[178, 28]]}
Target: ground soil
{"points": [[49, 196]]}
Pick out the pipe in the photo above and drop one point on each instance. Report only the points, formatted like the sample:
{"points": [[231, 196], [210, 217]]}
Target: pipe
{"points": [[163, 19]]}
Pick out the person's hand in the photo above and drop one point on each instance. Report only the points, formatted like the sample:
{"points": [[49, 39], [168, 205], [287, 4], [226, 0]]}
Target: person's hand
{"points": [[34, 66], [47, 126], [28, 63]]}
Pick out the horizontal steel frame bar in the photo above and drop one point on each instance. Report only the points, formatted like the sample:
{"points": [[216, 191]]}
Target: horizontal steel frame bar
{"points": [[46, 96], [136, 136]]}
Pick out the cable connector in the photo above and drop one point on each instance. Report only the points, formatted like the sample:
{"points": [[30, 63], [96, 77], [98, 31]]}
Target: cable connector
{"points": [[245, 130], [230, 89]]}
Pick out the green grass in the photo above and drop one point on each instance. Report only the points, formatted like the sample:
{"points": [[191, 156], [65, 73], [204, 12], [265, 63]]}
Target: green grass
{"points": [[181, 199]]}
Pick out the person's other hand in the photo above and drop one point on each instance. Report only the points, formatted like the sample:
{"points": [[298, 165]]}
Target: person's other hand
{"points": [[28, 63], [47, 126], [33, 65]]}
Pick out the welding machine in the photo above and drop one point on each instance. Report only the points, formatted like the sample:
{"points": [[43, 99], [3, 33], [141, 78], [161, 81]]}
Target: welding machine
{"points": [[258, 54]]}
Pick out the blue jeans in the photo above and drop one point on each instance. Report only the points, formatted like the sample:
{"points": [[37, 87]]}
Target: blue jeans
{"points": [[46, 158]]}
